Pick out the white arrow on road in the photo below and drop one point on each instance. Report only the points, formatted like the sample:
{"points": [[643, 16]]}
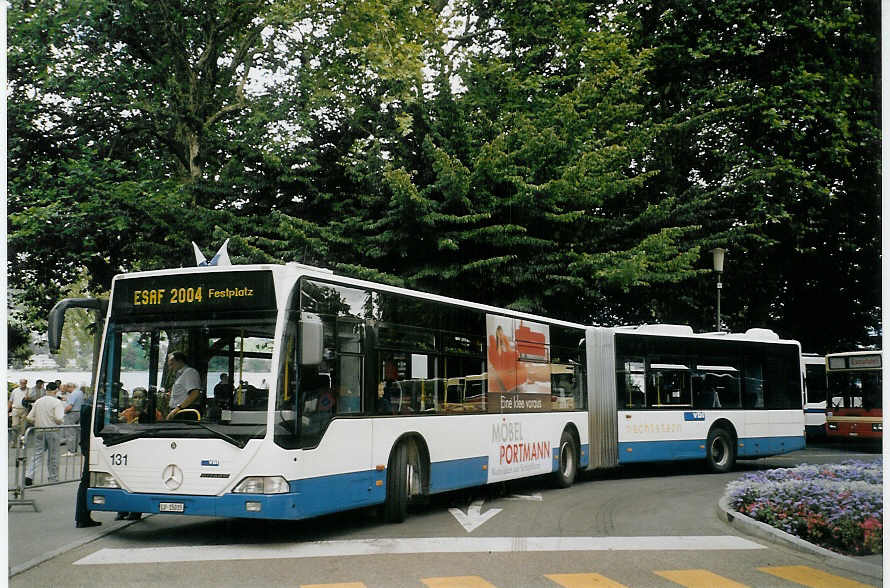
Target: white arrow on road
{"points": [[474, 517], [536, 497]]}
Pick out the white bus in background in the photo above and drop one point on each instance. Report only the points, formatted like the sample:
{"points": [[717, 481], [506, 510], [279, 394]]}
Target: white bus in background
{"points": [[364, 394], [814, 394]]}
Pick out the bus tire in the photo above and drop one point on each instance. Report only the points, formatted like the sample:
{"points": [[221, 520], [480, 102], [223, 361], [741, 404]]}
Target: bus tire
{"points": [[395, 507], [567, 461], [721, 451]]}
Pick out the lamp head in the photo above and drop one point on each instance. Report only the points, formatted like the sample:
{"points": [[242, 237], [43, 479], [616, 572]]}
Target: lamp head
{"points": [[718, 253]]}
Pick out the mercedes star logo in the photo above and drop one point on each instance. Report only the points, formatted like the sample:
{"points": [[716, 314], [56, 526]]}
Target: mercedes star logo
{"points": [[172, 477]]}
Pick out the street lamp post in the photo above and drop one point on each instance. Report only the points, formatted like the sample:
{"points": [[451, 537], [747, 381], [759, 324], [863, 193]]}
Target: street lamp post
{"points": [[718, 253]]}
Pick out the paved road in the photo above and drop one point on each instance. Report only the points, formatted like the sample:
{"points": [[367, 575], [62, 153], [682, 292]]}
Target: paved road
{"points": [[645, 526]]}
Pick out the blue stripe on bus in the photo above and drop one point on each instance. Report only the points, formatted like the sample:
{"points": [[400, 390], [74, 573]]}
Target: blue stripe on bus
{"points": [[644, 451], [814, 410], [763, 446], [641, 451], [458, 473]]}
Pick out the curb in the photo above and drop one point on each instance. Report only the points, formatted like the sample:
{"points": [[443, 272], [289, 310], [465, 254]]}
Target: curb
{"points": [[65, 548], [750, 526]]}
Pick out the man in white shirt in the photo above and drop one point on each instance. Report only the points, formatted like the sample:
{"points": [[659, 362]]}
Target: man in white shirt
{"points": [[18, 410], [47, 411], [186, 391]]}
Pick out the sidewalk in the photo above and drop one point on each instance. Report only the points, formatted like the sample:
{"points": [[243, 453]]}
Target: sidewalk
{"points": [[35, 537]]}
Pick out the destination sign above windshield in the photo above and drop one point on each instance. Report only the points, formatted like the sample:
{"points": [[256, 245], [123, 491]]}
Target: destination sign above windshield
{"points": [[197, 292]]}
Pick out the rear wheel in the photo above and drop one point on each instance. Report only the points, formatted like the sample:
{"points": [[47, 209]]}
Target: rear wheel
{"points": [[567, 461], [721, 451]]}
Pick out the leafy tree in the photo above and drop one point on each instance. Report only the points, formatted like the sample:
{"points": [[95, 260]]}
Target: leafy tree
{"points": [[18, 344], [770, 138]]}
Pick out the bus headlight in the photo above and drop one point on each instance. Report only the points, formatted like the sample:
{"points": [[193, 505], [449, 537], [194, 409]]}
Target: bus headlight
{"points": [[262, 485], [103, 480], [877, 427], [832, 426]]}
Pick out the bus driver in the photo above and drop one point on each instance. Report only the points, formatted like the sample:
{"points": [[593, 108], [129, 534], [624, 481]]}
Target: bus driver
{"points": [[186, 391]]}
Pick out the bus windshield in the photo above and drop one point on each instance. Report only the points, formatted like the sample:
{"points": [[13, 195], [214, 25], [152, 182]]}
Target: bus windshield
{"points": [[152, 368], [860, 390]]}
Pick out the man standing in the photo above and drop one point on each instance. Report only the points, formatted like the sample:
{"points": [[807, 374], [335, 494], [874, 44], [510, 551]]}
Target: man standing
{"points": [[186, 392], [72, 414], [46, 412], [82, 518], [18, 410], [37, 391]]}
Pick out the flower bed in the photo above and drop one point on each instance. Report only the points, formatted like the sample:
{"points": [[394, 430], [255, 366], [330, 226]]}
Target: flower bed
{"points": [[836, 506]]}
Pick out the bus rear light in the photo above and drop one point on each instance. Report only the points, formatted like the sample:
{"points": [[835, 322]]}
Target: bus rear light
{"points": [[103, 480], [262, 485]]}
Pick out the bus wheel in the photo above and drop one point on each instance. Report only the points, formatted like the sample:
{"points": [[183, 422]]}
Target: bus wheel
{"points": [[567, 462], [399, 477], [721, 453]]}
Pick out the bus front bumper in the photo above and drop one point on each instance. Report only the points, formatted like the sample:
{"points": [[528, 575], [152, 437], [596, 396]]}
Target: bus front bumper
{"points": [[260, 506]]}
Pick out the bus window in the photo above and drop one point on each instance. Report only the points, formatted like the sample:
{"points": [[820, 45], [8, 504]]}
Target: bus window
{"points": [[815, 383], [668, 385], [631, 383], [782, 382], [716, 385], [753, 389]]}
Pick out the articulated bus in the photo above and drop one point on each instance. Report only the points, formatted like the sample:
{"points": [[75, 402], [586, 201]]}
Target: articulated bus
{"points": [[855, 393], [320, 393], [814, 394]]}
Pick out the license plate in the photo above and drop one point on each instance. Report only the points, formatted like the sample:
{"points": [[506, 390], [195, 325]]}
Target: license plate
{"points": [[172, 507]]}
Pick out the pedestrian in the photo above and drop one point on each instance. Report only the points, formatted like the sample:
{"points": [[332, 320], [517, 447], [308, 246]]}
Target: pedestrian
{"points": [[18, 411], [47, 411], [38, 391], [82, 518], [72, 415]]}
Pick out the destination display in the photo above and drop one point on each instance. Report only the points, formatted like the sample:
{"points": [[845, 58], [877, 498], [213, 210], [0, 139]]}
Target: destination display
{"points": [[243, 290]]}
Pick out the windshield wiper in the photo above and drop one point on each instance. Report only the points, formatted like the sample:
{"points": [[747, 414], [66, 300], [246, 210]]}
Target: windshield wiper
{"points": [[219, 434], [118, 438]]}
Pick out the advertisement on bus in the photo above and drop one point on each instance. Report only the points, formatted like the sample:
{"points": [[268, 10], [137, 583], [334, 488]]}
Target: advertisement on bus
{"points": [[518, 365]]}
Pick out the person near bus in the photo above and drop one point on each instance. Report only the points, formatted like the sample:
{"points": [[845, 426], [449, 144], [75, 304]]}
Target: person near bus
{"points": [[186, 391], [82, 518], [38, 391], [17, 409], [47, 411], [72, 415]]}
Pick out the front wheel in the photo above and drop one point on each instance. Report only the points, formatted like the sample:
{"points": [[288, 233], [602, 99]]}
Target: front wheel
{"points": [[402, 482], [721, 451], [567, 461]]}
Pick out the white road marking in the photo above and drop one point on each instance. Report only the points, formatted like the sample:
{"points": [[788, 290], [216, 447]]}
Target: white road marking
{"points": [[536, 497], [192, 553], [474, 517]]}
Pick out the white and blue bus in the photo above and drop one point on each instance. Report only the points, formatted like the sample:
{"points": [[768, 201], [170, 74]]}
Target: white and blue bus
{"points": [[321, 393]]}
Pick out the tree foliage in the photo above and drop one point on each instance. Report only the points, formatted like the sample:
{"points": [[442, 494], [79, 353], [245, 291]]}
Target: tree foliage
{"points": [[568, 158]]}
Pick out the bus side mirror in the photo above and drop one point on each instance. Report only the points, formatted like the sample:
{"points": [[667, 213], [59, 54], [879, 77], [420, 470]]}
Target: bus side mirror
{"points": [[311, 340], [57, 317]]}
